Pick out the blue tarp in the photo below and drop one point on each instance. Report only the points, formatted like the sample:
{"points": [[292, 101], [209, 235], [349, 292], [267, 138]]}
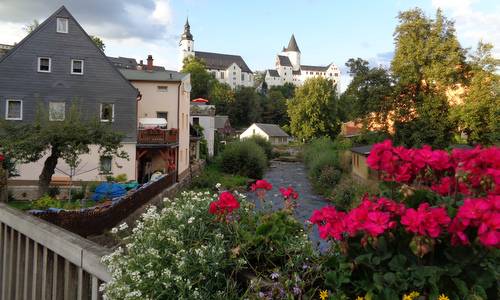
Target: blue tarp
{"points": [[108, 190]]}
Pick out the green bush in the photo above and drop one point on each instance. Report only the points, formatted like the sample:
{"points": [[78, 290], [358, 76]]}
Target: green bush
{"points": [[53, 191], [121, 178], [348, 192], [264, 144], [45, 202], [211, 175], [244, 158], [77, 194]]}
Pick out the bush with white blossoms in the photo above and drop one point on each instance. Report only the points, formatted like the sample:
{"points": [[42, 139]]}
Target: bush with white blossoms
{"points": [[178, 252]]}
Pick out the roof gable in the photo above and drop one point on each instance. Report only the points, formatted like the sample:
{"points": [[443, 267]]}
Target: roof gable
{"points": [[271, 129], [284, 61], [220, 61], [60, 45]]}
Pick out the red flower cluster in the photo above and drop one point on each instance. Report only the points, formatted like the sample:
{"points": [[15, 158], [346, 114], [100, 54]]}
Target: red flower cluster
{"points": [[480, 213], [2, 158], [261, 184], [226, 204], [469, 171], [425, 221], [289, 193], [373, 217]]}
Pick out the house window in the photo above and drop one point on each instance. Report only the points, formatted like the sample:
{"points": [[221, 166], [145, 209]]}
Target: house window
{"points": [[196, 121], [234, 73], [162, 88], [105, 164], [77, 66], [107, 112], [44, 64], [221, 75], [57, 111], [336, 74], [214, 74], [189, 49], [62, 25], [162, 115], [242, 77], [14, 110]]}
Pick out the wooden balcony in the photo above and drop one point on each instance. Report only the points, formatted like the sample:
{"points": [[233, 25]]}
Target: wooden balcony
{"points": [[157, 136]]}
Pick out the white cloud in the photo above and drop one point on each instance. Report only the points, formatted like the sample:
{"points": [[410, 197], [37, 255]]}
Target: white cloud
{"points": [[472, 24]]}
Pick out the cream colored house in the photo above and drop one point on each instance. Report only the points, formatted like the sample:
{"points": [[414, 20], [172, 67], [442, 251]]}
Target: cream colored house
{"points": [[163, 119], [360, 167], [271, 132]]}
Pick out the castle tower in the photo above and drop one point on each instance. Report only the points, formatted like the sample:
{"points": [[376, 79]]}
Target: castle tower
{"points": [[293, 53], [186, 45]]}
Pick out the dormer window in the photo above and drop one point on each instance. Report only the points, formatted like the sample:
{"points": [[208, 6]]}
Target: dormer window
{"points": [[77, 66], [44, 64], [62, 25]]}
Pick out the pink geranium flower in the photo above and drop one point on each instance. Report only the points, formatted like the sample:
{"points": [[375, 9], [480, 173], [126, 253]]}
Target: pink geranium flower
{"points": [[261, 184], [226, 203], [289, 193]]}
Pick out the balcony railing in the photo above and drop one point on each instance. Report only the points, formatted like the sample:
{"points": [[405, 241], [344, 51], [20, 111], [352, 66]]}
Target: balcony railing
{"points": [[157, 136]]}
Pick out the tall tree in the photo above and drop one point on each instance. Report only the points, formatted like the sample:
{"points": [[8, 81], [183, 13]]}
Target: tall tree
{"points": [[369, 94], [428, 60], [478, 116], [246, 108], [201, 80], [222, 96], [98, 42], [313, 111], [30, 142], [29, 28], [274, 108]]}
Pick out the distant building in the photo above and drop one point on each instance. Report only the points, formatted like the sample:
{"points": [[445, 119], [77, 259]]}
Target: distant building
{"points": [[288, 68], [4, 49], [204, 115], [226, 68], [223, 126], [271, 132]]}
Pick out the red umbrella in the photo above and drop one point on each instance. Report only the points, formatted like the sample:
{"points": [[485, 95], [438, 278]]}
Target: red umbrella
{"points": [[200, 100]]}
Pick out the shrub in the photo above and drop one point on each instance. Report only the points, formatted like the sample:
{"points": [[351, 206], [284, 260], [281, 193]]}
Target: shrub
{"points": [[245, 158], [121, 178], [53, 191], [45, 202], [264, 144], [348, 192], [211, 175], [77, 194]]}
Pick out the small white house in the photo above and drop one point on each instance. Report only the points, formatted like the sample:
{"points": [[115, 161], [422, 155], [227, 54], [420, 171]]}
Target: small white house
{"points": [[271, 132]]}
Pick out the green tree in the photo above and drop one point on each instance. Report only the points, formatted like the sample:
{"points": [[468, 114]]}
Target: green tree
{"points": [[428, 60], [201, 80], [478, 116], [29, 28], [222, 96], [369, 94], [98, 42], [274, 108], [246, 108], [313, 111], [30, 142]]}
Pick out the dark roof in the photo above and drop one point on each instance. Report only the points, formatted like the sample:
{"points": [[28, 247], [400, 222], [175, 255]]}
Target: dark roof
{"points": [[220, 61], [272, 129], [123, 62], [284, 61], [186, 35], [143, 75], [364, 150], [273, 73], [314, 68], [292, 45]]}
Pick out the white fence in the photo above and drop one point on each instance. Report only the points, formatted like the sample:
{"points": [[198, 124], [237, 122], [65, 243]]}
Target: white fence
{"points": [[40, 261]]}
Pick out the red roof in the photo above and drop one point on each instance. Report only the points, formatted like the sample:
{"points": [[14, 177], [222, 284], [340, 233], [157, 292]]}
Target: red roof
{"points": [[200, 100]]}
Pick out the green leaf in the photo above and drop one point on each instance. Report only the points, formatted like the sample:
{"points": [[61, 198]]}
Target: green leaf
{"points": [[461, 286], [397, 263], [378, 280], [390, 278]]}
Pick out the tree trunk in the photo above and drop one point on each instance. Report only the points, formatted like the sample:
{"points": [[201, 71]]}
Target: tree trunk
{"points": [[48, 170]]}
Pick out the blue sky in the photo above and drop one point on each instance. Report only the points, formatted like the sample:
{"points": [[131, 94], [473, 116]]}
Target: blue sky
{"points": [[326, 31]]}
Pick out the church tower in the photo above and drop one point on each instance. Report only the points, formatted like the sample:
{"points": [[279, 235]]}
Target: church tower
{"points": [[186, 45], [293, 53]]}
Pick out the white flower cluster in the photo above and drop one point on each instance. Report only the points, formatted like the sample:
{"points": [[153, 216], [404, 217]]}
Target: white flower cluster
{"points": [[178, 248]]}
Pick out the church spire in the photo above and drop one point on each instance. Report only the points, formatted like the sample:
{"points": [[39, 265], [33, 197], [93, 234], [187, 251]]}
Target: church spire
{"points": [[187, 32], [292, 45]]}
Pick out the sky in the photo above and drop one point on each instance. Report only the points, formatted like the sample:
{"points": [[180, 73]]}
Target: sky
{"points": [[327, 31]]}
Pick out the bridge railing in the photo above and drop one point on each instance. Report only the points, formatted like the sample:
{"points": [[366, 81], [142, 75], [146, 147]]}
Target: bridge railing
{"points": [[39, 260]]}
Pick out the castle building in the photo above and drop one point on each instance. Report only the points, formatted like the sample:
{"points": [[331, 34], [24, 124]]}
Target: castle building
{"points": [[226, 68], [289, 70]]}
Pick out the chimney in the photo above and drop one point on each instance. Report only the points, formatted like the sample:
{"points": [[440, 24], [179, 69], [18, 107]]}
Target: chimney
{"points": [[141, 65], [149, 67]]}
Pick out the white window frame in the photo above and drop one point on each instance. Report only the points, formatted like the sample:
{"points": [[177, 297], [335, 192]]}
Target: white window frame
{"points": [[7, 110], [39, 64], [65, 20], [72, 65], [112, 112], [64, 114]]}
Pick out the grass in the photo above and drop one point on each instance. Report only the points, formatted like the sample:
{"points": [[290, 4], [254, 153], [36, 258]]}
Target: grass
{"points": [[21, 205], [27, 205]]}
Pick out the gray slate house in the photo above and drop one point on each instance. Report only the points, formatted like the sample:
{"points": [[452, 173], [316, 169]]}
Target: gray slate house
{"points": [[57, 65], [271, 132]]}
